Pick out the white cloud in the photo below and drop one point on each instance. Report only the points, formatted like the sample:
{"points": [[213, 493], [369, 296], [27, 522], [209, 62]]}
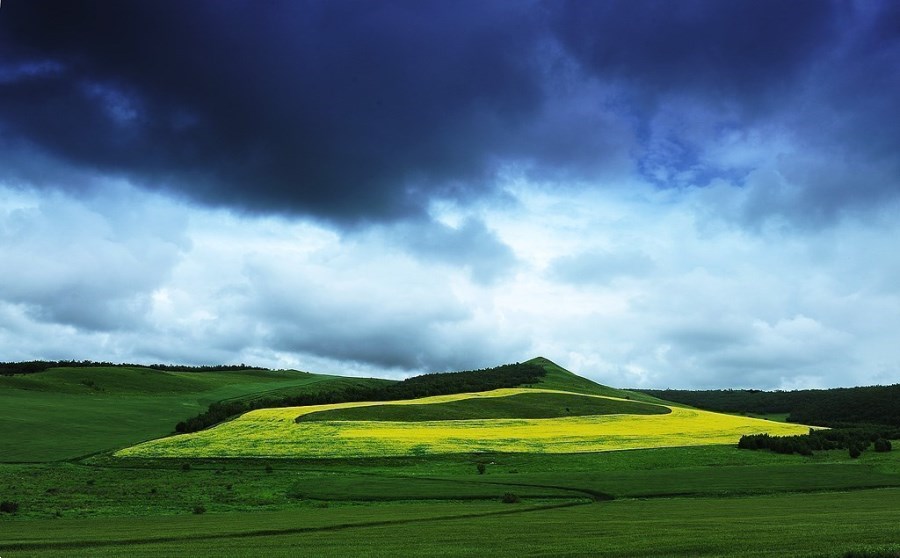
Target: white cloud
{"points": [[688, 300]]}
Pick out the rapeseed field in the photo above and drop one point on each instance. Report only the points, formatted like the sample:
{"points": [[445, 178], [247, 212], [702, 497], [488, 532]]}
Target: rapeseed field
{"points": [[275, 433]]}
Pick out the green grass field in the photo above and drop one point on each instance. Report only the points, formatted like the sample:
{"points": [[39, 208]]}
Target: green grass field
{"points": [[714, 501], [69, 412], [698, 501]]}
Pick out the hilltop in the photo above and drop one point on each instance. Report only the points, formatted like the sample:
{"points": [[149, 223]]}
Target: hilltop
{"points": [[557, 377]]}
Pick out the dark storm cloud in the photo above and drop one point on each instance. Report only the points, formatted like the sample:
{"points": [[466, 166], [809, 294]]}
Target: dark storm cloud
{"points": [[738, 50], [826, 73], [334, 108], [360, 111]]}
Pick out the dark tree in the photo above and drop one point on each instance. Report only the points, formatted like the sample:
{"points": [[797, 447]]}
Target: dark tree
{"points": [[882, 445]]}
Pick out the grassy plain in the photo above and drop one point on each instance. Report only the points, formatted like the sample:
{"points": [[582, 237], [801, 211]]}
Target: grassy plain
{"points": [[69, 412], [804, 525], [706, 501]]}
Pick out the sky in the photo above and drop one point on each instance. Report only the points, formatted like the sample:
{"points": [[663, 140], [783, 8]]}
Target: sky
{"points": [[653, 194]]}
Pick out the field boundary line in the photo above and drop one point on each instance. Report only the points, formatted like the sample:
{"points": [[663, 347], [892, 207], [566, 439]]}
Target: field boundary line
{"points": [[48, 545]]}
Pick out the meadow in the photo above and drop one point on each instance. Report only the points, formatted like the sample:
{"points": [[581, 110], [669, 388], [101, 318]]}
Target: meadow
{"points": [[690, 501], [688, 490]]}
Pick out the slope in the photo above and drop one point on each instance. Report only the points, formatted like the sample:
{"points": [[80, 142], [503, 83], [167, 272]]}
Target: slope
{"points": [[68, 412], [559, 378], [277, 433]]}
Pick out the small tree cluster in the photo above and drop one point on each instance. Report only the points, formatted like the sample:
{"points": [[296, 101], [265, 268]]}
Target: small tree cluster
{"points": [[9, 507], [855, 440], [509, 498]]}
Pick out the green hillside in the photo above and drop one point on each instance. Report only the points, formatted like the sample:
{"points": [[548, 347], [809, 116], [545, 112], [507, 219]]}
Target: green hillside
{"points": [[524, 406], [62, 413], [561, 379]]}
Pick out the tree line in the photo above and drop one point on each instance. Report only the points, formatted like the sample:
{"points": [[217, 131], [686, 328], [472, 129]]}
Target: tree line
{"points": [[425, 385], [35, 366], [837, 407], [855, 440]]}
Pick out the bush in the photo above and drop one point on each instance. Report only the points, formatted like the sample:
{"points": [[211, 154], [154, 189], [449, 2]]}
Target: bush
{"points": [[268, 468], [509, 498], [854, 452], [199, 509], [185, 466], [882, 445], [9, 507], [481, 468]]}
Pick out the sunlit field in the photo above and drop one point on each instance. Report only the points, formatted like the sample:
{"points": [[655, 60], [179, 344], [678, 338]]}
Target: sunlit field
{"points": [[275, 432]]}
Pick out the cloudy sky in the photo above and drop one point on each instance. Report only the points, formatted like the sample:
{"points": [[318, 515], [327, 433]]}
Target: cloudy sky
{"points": [[661, 194]]}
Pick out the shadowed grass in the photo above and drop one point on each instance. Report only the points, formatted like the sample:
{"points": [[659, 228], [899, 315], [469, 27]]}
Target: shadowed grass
{"points": [[522, 405]]}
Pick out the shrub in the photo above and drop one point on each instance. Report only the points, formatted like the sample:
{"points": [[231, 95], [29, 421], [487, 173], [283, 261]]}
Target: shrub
{"points": [[481, 468], [9, 507], [268, 468], [509, 498], [185, 466], [882, 445], [198, 509], [854, 451]]}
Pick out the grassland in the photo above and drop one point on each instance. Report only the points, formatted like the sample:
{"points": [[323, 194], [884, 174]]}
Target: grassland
{"points": [[693, 500], [775, 526], [69, 412], [276, 432], [705, 501]]}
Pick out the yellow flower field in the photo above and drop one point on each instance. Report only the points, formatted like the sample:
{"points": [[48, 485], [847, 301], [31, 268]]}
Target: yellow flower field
{"points": [[274, 432]]}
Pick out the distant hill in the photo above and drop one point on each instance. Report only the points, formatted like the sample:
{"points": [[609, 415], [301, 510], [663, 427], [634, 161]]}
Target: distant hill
{"points": [[35, 366], [873, 405]]}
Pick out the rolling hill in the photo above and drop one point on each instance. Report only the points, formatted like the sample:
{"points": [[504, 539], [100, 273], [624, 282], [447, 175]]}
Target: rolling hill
{"points": [[62, 413], [576, 415]]}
